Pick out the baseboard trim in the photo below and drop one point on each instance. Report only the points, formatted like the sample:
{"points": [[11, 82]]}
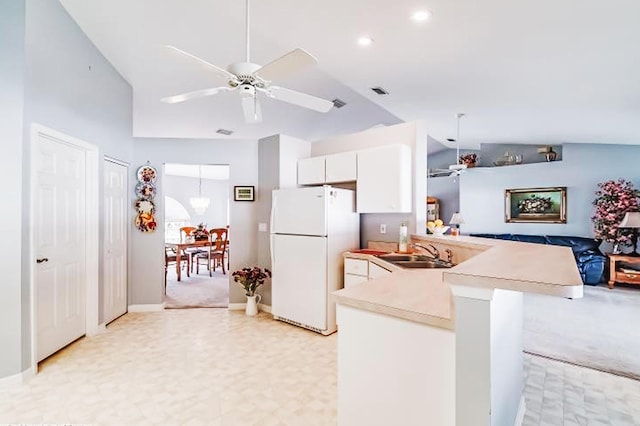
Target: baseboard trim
{"points": [[521, 409], [243, 306], [264, 308], [147, 308], [16, 379]]}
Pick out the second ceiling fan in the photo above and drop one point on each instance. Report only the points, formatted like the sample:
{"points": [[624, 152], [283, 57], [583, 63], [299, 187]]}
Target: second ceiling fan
{"points": [[249, 79]]}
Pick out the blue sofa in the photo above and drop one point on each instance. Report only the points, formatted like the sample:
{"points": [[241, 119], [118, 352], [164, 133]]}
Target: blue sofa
{"points": [[590, 261]]}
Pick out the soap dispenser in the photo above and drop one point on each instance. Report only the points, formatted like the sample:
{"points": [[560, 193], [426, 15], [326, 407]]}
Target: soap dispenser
{"points": [[404, 238]]}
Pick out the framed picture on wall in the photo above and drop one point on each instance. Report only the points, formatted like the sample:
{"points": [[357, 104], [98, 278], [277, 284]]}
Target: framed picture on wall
{"points": [[243, 193], [536, 205]]}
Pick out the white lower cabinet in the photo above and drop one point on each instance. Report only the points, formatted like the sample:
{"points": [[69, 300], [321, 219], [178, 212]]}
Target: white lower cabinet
{"points": [[376, 271], [350, 279], [357, 271]]}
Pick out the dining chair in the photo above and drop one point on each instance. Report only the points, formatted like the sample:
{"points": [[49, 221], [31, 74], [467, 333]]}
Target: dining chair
{"points": [[187, 231], [217, 250], [170, 257]]}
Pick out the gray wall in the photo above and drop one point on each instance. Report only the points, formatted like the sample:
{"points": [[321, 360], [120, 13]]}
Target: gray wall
{"points": [[278, 168], [48, 59], [147, 249], [583, 167], [182, 188], [12, 25], [447, 190]]}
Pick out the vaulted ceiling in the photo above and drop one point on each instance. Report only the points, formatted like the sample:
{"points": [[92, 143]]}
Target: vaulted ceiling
{"points": [[523, 71]]}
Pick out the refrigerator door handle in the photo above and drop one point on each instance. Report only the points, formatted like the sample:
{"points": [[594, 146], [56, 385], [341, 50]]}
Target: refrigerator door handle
{"points": [[273, 256], [273, 210]]}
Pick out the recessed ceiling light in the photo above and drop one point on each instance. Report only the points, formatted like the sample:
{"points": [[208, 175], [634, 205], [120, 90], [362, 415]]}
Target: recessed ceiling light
{"points": [[420, 15], [365, 41]]}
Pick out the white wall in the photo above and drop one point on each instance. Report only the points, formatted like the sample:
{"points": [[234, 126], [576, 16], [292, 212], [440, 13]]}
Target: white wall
{"points": [[413, 134], [583, 166], [12, 22], [182, 188], [147, 281]]}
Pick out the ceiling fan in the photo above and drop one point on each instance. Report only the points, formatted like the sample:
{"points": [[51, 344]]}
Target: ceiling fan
{"points": [[454, 169], [249, 79]]}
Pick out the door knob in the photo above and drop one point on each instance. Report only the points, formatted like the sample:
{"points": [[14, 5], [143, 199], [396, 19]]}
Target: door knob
{"points": [[41, 260]]}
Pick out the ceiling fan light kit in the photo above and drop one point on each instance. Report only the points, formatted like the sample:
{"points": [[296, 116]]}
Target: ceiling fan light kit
{"points": [[249, 79]]}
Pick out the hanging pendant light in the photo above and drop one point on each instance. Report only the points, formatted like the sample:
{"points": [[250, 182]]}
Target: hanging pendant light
{"points": [[199, 203]]}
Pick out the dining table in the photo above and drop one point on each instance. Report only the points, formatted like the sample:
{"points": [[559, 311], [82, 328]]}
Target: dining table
{"points": [[180, 247]]}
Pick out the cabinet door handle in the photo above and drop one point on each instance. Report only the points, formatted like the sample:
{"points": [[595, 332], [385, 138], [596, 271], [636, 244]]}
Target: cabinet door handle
{"points": [[42, 260]]}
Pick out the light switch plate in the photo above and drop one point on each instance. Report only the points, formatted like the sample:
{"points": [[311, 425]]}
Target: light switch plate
{"points": [[383, 228], [262, 227]]}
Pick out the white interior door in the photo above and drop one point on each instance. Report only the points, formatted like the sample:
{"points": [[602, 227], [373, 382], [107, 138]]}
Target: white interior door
{"points": [[59, 237], [114, 289]]}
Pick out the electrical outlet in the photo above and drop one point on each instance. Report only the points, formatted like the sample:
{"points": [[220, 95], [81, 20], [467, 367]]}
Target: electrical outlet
{"points": [[383, 228]]}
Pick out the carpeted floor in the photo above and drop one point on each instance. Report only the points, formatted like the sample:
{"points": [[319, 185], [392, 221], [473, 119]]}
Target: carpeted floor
{"points": [[601, 330], [197, 291]]}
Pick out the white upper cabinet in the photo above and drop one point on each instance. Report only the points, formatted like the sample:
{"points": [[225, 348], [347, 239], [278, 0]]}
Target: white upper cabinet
{"points": [[340, 167], [384, 180], [311, 171], [328, 169]]}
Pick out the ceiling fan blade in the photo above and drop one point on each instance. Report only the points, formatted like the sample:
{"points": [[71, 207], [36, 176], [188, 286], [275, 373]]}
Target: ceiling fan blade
{"points": [[286, 65], [251, 109], [221, 72], [300, 99], [194, 95]]}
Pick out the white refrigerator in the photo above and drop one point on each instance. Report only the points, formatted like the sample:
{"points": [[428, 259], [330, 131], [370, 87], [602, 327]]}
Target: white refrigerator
{"points": [[310, 230]]}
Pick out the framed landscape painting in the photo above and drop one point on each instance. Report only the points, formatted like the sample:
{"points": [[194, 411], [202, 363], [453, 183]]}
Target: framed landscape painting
{"points": [[536, 205]]}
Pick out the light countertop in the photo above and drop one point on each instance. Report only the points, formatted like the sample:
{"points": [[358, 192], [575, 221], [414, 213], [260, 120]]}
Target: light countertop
{"points": [[424, 295]]}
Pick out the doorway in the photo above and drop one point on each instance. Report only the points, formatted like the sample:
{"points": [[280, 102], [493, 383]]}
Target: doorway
{"points": [[63, 241], [196, 197]]}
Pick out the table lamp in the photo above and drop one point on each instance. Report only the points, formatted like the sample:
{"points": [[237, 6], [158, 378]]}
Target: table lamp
{"points": [[632, 220], [456, 221]]}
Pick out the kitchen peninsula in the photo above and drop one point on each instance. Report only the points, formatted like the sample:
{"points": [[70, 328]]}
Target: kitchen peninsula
{"points": [[444, 346]]}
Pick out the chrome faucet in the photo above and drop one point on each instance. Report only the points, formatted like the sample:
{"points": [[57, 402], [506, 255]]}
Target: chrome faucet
{"points": [[430, 249], [449, 255]]}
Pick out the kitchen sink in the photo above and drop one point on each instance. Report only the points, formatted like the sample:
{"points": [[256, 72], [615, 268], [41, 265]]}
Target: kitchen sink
{"points": [[414, 261]]}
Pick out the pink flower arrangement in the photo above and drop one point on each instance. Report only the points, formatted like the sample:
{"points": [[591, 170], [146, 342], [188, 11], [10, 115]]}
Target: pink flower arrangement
{"points": [[251, 278], [613, 200]]}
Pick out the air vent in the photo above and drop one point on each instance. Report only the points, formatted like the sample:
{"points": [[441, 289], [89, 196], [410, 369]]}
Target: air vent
{"points": [[338, 103], [224, 132], [379, 90]]}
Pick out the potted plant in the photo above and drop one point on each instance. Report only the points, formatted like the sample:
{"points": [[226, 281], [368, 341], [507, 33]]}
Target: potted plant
{"points": [[613, 200], [469, 159], [250, 279]]}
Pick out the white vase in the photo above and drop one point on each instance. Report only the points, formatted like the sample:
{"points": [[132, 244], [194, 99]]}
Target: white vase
{"points": [[252, 305]]}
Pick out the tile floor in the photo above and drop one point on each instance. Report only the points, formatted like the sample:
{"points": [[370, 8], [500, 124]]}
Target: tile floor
{"points": [[219, 367]]}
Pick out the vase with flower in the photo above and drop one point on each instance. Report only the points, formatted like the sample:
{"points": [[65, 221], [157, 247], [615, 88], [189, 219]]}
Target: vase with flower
{"points": [[251, 279], [200, 233], [469, 159], [613, 200]]}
